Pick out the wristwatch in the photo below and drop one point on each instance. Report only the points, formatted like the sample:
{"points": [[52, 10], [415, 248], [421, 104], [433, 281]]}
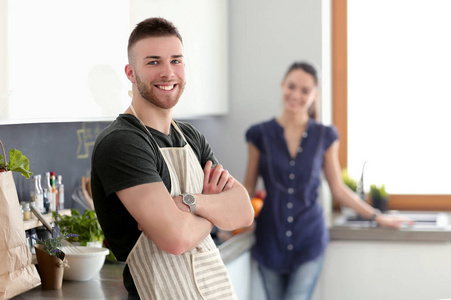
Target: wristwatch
{"points": [[190, 200], [375, 214]]}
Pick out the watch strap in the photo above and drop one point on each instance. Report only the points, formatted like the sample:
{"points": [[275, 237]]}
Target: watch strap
{"points": [[375, 214]]}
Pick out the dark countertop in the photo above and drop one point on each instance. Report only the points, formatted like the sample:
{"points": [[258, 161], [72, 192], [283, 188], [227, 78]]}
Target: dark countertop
{"points": [[105, 285]]}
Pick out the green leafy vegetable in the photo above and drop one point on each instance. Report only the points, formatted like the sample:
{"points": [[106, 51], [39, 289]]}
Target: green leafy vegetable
{"points": [[86, 226], [17, 163]]}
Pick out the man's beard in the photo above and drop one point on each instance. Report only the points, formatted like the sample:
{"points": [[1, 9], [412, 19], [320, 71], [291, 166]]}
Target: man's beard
{"points": [[165, 102]]}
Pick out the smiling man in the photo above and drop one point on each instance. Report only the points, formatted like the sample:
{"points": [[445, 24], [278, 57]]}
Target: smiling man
{"points": [[167, 81], [156, 194]]}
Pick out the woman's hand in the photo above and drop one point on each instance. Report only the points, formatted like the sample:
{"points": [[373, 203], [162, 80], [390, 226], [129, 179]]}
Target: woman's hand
{"points": [[216, 179], [393, 221]]}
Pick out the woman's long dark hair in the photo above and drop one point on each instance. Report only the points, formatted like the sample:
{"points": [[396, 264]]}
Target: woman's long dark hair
{"points": [[309, 69]]}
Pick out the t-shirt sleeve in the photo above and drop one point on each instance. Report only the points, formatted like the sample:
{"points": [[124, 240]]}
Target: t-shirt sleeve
{"points": [[254, 136], [125, 159], [331, 135]]}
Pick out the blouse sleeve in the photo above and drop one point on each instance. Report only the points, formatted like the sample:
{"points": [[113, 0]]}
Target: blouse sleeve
{"points": [[254, 136], [331, 135]]}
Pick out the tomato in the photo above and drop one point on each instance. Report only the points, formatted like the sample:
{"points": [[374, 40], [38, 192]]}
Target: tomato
{"points": [[257, 204]]}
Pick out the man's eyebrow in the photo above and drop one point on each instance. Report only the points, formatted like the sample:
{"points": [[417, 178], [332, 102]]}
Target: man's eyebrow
{"points": [[159, 57]]}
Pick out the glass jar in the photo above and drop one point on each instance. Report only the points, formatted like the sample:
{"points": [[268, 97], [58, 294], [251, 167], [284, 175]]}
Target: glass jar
{"points": [[26, 211]]}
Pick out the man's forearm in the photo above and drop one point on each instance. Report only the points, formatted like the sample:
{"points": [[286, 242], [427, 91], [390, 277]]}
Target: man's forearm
{"points": [[228, 210]]}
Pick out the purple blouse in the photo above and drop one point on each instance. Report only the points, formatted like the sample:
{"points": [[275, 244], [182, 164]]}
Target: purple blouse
{"points": [[290, 227]]}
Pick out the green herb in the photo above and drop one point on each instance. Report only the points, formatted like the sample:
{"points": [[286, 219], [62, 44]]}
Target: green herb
{"points": [[86, 226], [378, 191], [17, 163]]}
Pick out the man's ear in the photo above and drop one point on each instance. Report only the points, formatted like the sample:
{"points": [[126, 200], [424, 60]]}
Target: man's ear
{"points": [[130, 73]]}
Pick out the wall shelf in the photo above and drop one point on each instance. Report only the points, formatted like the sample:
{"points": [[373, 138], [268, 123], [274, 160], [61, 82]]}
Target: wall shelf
{"points": [[33, 223]]}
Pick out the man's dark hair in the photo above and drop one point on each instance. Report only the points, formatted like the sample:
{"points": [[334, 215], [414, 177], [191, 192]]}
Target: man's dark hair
{"points": [[151, 27]]}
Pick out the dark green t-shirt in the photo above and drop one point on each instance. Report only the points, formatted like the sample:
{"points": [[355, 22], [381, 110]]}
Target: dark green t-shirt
{"points": [[124, 156]]}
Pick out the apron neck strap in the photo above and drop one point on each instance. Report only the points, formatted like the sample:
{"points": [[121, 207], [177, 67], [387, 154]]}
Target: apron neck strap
{"points": [[145, 127]]}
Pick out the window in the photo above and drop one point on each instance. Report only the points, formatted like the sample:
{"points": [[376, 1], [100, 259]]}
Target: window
{"points": [[392, 97]]}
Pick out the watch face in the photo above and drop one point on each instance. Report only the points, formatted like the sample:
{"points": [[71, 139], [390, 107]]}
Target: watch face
{"points": [[189, 199]]}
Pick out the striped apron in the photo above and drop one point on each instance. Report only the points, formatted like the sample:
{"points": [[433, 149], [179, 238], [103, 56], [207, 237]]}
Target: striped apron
{"points": [[196, 274]]}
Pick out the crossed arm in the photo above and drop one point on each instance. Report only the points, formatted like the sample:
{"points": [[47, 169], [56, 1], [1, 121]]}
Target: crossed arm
{"points": [[167, 221]]}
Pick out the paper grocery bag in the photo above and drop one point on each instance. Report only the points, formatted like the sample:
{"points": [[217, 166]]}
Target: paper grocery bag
{"points": [[17, 273]]}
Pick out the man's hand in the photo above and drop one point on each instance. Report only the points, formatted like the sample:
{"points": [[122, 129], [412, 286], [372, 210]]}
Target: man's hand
{"points": [[216, 179]]}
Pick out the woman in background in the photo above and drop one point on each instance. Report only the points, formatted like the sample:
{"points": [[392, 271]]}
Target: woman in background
{"points": [[289, 152]]}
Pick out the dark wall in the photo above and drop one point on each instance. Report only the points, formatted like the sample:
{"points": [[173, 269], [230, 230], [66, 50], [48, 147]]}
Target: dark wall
{"points": [[64, 148]]}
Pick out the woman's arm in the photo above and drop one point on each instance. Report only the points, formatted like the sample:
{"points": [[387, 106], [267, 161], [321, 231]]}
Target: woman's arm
{"points": [[252, 171], [346, 196]]}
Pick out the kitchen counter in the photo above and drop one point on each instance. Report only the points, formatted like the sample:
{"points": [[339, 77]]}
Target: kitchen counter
{"points": [[105, 285], [367, 231], [384, 234], [236, 246], [108, 283]]}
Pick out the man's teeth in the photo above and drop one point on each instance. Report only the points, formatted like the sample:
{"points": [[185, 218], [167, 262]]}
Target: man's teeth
{"points": [[166, 87]]}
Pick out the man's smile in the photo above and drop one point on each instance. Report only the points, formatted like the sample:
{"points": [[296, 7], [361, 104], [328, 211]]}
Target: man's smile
{"points": [[166, 87]]}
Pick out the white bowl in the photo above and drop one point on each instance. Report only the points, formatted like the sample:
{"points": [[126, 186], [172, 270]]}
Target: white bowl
{"points": [[84, 262]]}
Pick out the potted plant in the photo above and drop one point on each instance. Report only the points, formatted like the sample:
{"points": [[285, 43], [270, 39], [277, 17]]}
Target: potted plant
{"points": [[379, 197], [86, 226], [51, 259]]}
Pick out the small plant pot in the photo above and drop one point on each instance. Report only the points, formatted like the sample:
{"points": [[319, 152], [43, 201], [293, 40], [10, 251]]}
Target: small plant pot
{"points": [[50, 268], [379, 203]]}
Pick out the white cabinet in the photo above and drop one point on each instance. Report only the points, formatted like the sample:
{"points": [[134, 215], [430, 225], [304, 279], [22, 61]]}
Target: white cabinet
{"points": [[355, 270], [90, 52], [240, 274]]}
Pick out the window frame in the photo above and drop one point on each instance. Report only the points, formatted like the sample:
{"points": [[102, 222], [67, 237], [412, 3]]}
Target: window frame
{"points": [[340, 114]]}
